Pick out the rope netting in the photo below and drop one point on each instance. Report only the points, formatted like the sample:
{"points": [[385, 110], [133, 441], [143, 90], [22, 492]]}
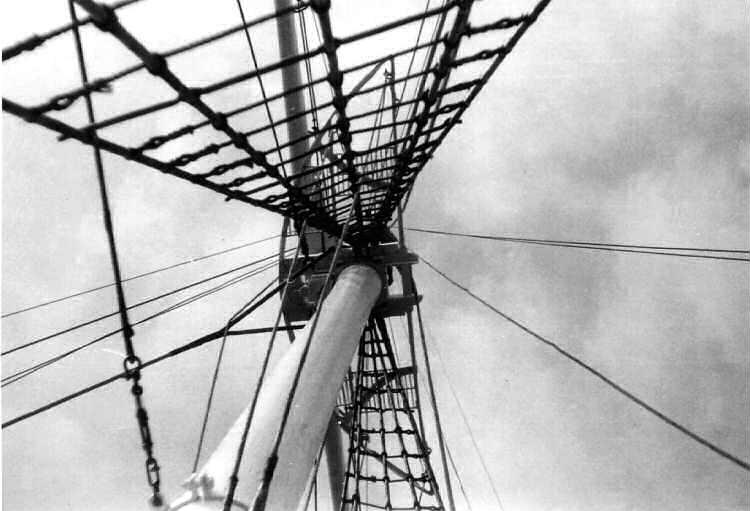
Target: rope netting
{"points": [[381, 87], [388, 465]]}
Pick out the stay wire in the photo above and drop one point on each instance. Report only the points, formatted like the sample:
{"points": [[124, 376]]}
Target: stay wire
{"points": [[214, 336], [474, 442], [262, 88], [433, 402], [414, 54], [458, 477], [133, 306], [234, 477], [629, 395], [215, 377], [314, 484], [453, 466], [259, 501], [177, 351], [187, 301], [313, 102], [131, 362], [138, 276], [106, 211], [308, 67], [611, 247]]}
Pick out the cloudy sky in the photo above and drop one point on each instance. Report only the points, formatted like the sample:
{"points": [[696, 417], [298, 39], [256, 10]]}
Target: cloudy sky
{"points": [[616, 122]]}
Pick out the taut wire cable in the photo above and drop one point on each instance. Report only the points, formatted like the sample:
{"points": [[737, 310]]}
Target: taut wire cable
{"points": [[611, 383]]}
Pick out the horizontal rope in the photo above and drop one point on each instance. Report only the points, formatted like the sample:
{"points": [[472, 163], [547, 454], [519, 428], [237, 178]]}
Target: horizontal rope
{"points": [[612, 247]]}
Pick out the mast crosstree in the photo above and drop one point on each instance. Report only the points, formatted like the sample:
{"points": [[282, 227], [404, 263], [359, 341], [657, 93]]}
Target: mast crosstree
{"points": [[339, 180]]}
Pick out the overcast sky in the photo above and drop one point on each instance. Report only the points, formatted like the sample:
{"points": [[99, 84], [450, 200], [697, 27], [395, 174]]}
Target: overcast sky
{"points": [[611, 121]]}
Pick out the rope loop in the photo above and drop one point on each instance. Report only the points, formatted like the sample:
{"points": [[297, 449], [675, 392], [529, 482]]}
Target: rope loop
{"points": [[132, 365]]}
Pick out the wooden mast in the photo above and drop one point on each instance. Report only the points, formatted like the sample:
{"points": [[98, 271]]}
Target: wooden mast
{"points": [[343, 316]]}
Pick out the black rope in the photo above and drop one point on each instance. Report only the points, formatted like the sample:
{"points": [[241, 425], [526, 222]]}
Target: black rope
{"points": [[259, 501], [611, 247], [156, 64], [187, 301], [314, 486], [194, 344], [401, 186], [34, 41], [214, 336], [215, 377], [135, 305], [679, 427], [461, 411], [138, 276], [458, 478], [234, 478], [433, 402], [262, 87], [131, 362], [282, 196]]}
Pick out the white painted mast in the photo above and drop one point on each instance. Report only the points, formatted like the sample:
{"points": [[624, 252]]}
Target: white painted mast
{"points": [[343, 315]]}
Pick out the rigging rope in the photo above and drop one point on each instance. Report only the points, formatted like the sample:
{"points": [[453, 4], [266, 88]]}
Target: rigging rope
{"points": [[613, 247], [433, 402], [262, 87], [138, 276], [234, 478], [135, 305], [187, 301], [458, 478], [131, 362], [191, 345], [679, 427], [170, 354], [215, 376], [453, 465], [259, 502], [463, 417], [36, 40]]}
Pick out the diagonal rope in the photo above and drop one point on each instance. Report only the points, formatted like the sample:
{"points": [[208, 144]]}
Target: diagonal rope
{"points": [[259, 502], [262, 87], [131, 362], [458, 478], [138, 276], [170, 354], [177, 351], [187, 301], [671, 422], [465, 420], [453, 464], [215, 377], [134, 306], [433, 402], [234, 478]]}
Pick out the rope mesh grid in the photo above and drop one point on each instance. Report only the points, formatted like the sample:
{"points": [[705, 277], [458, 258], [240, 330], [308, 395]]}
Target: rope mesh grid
{"points": [[366, 136], [388, 465]]}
